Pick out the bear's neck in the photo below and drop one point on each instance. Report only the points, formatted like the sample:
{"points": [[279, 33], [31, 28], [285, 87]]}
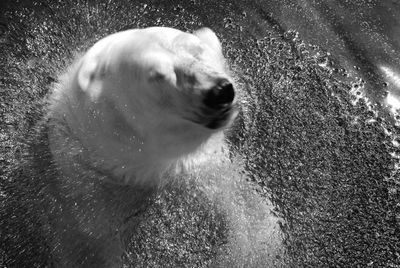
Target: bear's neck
{"points": [[112, 146]]}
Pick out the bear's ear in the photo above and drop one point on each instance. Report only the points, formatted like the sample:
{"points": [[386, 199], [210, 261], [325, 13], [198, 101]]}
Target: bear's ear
{"points": [[89, 77], [207, 36]]}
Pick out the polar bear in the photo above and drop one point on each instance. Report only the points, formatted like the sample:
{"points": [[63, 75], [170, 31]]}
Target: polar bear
{"points": [[139, 106], [140, 100]]}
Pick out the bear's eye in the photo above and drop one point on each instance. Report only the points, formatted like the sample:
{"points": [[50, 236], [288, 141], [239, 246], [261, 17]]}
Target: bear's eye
{"points": [[185, 79], [156, 77], [160, 76]]}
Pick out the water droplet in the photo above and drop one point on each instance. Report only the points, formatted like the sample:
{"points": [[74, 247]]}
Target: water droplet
{"points": [[178, 8], [228, 22]]}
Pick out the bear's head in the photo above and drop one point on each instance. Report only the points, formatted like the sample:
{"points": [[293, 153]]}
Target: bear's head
{"points": [[149, 96]]}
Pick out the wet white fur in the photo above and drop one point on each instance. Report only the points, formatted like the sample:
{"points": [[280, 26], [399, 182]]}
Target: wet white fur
{"points": [[123, 110], [120, 109]]}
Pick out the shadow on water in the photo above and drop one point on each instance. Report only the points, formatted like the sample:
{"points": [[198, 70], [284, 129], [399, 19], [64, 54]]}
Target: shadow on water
{"points": [[307, 139]]}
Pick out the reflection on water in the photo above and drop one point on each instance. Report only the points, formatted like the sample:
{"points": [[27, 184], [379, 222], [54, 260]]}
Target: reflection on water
{"points": [[314, 141], [392, 99], [393, 102]]}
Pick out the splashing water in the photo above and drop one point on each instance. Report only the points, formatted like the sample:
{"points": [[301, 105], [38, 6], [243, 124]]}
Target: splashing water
{"points": [[312, 174]]}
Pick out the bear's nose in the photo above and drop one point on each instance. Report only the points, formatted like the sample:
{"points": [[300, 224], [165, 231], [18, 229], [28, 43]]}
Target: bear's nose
{"points": [[220, 95]]}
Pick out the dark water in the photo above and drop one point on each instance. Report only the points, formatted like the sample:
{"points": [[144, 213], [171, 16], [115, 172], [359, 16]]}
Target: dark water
{"points": [[315, 134]]}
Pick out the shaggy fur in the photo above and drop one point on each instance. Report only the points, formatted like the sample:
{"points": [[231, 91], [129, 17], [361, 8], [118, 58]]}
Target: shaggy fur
{"points": [[125, 118]]}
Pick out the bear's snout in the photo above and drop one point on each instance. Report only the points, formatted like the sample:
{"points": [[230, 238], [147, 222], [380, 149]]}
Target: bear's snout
{"points": [[220, 96], [219, 107]]}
